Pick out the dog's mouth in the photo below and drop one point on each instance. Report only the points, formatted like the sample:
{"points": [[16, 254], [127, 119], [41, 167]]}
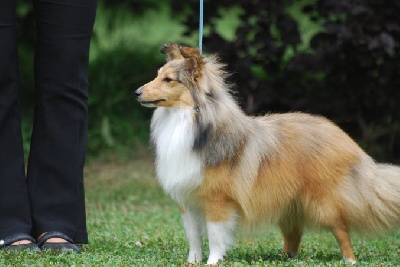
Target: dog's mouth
{"points": [[152, 103]]}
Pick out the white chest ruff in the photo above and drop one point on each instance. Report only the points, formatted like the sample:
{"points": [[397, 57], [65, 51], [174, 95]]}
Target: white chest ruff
{"points": [[179, 169]]}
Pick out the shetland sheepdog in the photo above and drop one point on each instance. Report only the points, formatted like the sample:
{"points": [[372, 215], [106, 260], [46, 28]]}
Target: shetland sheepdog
{"points": [[226, 169]]}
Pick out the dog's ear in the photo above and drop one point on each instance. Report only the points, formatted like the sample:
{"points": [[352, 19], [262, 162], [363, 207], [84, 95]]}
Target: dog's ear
{"points": [[193, 66], [190, 52], [174, 51], [193, 60], [171, 51]]}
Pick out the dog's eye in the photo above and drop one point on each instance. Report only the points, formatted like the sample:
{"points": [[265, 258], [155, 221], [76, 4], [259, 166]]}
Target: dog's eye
{"points": [[167, 79]]}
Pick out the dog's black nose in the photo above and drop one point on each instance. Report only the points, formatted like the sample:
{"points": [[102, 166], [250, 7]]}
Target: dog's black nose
{"points": [[138, 92]]}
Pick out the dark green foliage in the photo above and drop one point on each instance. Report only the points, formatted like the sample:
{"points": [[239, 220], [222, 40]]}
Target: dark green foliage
{"points": [[116, 119], [338, 58]]}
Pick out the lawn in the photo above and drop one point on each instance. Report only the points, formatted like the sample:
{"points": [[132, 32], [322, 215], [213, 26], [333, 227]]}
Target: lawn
{"points": [[132, 222]]}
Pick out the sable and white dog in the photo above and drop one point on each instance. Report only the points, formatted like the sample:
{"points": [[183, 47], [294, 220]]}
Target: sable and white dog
{"points": [[226, 169]]}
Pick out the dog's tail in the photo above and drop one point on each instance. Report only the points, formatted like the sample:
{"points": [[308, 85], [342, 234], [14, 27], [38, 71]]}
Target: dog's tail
{"points": [[376, 201]]}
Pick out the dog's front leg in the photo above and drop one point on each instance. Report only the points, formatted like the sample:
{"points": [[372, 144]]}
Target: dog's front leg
{"points": [[192, 224], [220, 237]]}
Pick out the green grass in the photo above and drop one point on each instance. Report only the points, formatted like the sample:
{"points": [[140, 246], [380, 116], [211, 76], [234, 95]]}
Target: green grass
{"points": [[132, 222]]}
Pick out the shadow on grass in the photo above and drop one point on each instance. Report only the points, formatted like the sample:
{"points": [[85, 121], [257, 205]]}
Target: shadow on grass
{"points": [[259, 255]]}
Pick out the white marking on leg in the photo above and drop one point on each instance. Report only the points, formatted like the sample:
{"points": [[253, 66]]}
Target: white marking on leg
{"points": [[220, 237], [192, 225], [351, 261]]}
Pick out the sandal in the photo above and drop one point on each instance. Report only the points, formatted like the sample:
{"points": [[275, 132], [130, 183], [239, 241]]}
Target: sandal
{"points": [[6, 243], [68, 246]]}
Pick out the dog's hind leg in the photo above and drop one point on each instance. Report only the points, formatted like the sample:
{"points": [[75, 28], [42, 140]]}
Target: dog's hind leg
{"points": [[343, 238], [292, 237], [192, 225], [292, 225]]}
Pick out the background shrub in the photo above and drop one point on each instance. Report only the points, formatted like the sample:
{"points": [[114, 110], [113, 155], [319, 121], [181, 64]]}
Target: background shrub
{"points": [[337, 58]]}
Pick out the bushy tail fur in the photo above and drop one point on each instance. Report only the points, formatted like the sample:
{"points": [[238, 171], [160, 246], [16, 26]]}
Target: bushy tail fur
{"points": [[376, 206], [386, 195]]}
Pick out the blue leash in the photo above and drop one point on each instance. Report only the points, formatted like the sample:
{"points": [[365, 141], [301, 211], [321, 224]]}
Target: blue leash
{"points": [[201, 28]]}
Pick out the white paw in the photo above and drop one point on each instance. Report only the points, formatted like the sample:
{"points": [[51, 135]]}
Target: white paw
{"points": [[213, 259], [351, 261], [195, 257]]}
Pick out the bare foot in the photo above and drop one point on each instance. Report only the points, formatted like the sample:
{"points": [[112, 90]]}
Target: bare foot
{"points": [[21, 242], [54, 239]]}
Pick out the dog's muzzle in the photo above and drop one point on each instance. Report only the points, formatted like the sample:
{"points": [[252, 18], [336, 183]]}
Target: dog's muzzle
{"points": [[149, 104]]}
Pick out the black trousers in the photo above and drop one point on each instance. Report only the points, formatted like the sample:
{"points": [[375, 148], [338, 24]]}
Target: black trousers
{"points": [[50, 196]]}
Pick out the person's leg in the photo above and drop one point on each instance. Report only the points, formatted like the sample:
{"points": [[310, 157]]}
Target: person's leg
{"points": [[59, 137], [15, 214]]}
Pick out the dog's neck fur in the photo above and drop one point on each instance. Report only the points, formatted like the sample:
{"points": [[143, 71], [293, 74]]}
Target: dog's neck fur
{"points": [[220, 130], [179, 168], [221, 124]]}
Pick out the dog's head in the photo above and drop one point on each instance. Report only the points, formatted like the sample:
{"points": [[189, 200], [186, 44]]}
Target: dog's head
{"points": [[175, 80]]}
